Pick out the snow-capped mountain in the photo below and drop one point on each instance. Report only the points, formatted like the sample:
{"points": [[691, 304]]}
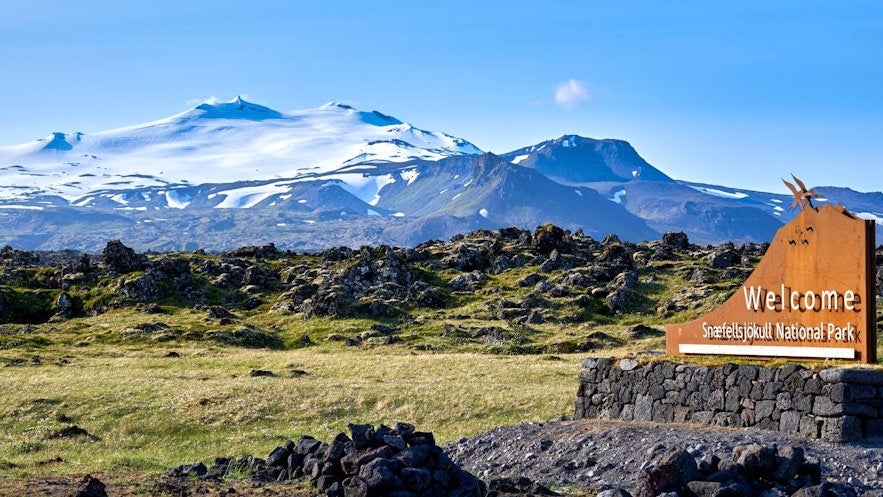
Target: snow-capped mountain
{"points": [[224, 175], [213, 143]]}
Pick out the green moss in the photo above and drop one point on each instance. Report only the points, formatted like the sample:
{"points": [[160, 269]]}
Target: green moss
{"points": [[23, 342], [247, 337], [26, 306]]}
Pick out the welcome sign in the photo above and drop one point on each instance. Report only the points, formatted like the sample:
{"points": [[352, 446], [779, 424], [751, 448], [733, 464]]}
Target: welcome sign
{"points": [[812, 295]]}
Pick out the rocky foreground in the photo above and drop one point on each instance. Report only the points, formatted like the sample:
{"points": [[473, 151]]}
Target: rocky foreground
{"points": [[604, 455], [566, 457], [584, 457]]}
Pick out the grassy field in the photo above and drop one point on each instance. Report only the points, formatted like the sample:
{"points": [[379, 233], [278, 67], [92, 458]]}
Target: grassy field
{"points": [[142, 410], [147, 412]]}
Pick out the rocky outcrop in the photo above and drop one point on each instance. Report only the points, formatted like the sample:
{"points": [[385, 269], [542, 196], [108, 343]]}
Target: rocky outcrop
{"points": [[165, 275], [548, 238], [753, 469], [122, 259], [569, 276], [676, 240], [369, 462], [375, 281], [468, 282]]}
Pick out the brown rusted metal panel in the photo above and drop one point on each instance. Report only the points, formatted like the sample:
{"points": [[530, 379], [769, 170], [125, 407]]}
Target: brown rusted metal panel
{"points": [[811, 295], [871, 291]]}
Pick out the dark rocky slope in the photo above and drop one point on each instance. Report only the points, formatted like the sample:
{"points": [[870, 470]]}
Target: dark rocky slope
{"points": [[605, 455]]}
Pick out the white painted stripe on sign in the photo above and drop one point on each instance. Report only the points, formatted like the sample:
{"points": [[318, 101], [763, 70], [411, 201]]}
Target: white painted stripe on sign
{"points": [[768, 351]]}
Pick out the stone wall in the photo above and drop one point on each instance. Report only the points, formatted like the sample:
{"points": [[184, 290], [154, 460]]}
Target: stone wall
{"points": [[835, 405]]}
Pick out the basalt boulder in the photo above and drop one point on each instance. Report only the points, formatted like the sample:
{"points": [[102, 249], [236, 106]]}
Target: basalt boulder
{"points": [[122, 259]]}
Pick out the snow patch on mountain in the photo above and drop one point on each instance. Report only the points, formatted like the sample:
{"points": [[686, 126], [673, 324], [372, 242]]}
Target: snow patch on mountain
{"points": [[365, 188], [719, 193], [247, 197], [23, 207], [410, 175]]}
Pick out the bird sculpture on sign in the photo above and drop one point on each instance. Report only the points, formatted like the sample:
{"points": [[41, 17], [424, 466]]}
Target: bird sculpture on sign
{"points": [[803, 196], [810, 296]]}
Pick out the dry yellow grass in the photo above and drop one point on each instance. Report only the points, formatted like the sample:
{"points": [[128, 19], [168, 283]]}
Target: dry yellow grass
{"points": [[150, 412]]}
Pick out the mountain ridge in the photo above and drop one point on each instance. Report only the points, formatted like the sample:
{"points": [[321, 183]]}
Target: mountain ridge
{"points": [[213, 143], [362, 177]]}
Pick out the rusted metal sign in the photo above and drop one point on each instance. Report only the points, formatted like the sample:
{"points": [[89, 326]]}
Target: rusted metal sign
{"points": [[812, 295]]}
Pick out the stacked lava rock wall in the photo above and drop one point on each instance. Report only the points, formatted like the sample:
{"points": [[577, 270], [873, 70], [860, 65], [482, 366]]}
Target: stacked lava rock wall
{"points": [[835, 405]]}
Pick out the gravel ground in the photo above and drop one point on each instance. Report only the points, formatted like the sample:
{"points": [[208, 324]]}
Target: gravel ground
{"points": [[605, 454]]}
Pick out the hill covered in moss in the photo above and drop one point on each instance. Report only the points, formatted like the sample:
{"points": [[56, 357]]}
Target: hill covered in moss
{"points": [[504, 291]]}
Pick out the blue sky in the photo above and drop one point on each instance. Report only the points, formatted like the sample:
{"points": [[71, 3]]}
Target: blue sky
{"points": [[737, 93]]}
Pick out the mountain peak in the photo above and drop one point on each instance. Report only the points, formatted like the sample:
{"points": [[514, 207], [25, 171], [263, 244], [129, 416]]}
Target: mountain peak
{"points": [[336, 105], [374, 117], [487, 166], [575, 159], [238, 108]]}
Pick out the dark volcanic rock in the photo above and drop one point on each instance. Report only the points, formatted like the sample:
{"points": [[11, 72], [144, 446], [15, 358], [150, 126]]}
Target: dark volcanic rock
{"points": [[726, 259], [671, 473], [500, 487], [265, 252], [467, 257], [122, 259], [548, 237], [90, 487], [468, 282], [375, 281], [676, 240], [621, 290], [374, 462], [613, 455]]}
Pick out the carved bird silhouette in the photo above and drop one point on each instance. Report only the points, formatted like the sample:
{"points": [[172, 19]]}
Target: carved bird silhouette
{"points": [[803, 196]]}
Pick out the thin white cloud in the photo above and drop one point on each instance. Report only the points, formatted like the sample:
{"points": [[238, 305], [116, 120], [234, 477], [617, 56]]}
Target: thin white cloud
{"points": [[572, 93]]}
